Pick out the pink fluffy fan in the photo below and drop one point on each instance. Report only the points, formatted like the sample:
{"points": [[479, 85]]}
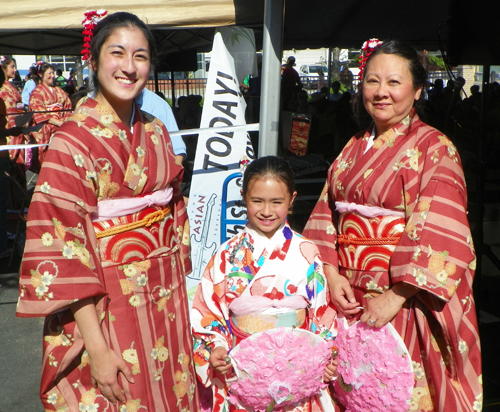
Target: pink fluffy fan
{"points": [[375, 370], [278, 367]]}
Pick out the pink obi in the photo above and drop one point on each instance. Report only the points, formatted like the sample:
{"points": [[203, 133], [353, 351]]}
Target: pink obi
{"points": [[367, 243]]}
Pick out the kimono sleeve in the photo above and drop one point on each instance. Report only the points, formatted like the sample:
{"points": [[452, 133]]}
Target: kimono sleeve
{"points": [[320, 227], [435, 252], [61, 262], [66, 105], [37, 104], [322, 315], [209, 317]]}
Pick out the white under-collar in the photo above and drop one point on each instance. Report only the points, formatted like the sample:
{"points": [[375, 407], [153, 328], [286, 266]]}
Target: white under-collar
{"points": [[371, 139], [132, 119]]}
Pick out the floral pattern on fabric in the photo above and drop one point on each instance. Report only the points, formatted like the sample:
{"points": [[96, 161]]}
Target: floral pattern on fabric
{"points": [[136, 278], [415, 170], [249, 265]]}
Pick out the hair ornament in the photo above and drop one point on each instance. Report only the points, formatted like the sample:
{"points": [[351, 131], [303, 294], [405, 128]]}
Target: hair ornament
{"points": [[366, 50], [92, 17], [2, 59], [38, 66]]}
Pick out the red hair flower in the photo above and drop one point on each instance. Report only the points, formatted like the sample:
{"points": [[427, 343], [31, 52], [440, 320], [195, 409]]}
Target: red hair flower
{"points": [[366, 50], [91, 19]]}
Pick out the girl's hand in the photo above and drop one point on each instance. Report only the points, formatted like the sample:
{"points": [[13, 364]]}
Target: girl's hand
{"points": [[383, 308], [341, 293], [217, 360], [105, 365], [331, 370]]}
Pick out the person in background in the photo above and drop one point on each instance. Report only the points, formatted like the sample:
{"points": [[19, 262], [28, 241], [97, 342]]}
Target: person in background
{"points": [[267, 265], [72, 79], [32, 81], [60, 80], [153, 104], [51, 106], [14, 104], [336, 94], [391, 226], [107, 246], [290, 82], [4, 180]]}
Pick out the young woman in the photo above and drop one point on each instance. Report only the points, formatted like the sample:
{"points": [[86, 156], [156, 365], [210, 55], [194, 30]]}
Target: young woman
{"points": [[14, 105], [51, 105], [106, 253], [267, 260]]}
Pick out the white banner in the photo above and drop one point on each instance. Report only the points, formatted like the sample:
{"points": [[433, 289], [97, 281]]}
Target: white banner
{"points": [[215, 209]]}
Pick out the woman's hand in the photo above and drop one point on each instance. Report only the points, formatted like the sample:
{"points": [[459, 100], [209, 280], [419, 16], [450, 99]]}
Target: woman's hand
{"points": [[218, 362], [55, 122], [331, 370], [383, 308], [105, 365], [341, 292]]}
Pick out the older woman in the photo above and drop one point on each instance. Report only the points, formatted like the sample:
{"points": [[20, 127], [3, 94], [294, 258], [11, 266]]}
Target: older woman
{"points": [[401, 246], [51, 106]]}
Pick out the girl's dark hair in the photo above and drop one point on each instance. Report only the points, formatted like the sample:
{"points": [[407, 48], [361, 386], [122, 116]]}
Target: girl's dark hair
{"points": [[2, 78], [43, 68], [108, 25], [33, 74], [7, 61], [269, 166], [417, 70]]}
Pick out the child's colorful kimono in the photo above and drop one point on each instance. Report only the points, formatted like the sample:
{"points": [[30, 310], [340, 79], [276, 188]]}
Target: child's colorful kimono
{"points": [[251, 265]]}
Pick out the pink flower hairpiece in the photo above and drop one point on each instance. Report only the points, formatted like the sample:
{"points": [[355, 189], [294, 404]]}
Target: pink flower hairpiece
{"points": [[366, 50], [2, 59], [91, 19]]}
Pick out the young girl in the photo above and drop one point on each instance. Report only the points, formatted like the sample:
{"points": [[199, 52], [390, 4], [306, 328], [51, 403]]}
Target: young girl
{"points": [[105, 260], [267, 260]]}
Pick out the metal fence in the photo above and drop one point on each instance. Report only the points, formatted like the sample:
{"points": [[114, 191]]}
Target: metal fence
{"points": [[183, 87]]}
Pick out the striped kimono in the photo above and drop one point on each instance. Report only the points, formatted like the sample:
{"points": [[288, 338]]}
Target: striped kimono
{"points": [[413, 171], [135, 277]]}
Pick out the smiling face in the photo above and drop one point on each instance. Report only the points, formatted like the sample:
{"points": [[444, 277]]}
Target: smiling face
{"points": [[388, 91], [268, 201], [10, 70], [123, 68], [48, 77]]}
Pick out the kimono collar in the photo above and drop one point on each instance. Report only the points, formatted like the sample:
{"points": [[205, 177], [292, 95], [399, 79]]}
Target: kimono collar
{"points": [[396, 130], [261, 242]]}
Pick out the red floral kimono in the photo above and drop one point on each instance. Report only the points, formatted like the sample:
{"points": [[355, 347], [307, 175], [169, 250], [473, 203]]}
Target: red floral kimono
{"points": [[413, 169], [136, 278], [11, 97], [48, 99]]}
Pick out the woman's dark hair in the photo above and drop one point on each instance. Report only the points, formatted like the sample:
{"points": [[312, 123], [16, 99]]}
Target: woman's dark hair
{"points": [[108, 25], [43, 68], [417, 70], [7, 61], [272, 167], [33, 74], [2, 78]]}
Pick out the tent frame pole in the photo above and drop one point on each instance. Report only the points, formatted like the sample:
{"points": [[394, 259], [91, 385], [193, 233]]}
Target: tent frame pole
{"points": [[271, 80]]}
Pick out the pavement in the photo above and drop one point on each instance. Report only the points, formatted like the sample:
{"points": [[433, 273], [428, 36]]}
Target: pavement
{"points": [[20, 350]]}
